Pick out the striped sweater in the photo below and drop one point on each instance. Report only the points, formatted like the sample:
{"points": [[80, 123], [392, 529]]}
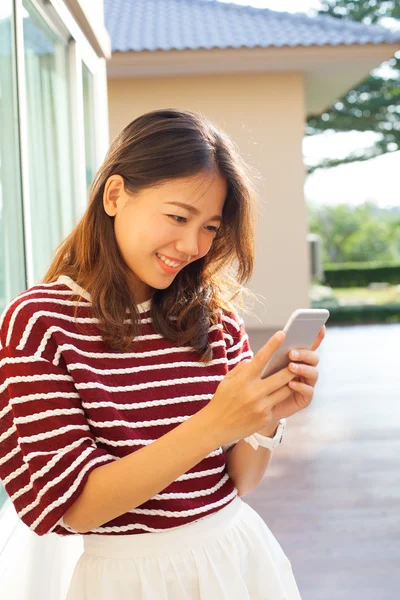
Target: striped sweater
{"points": [[69, 404]]}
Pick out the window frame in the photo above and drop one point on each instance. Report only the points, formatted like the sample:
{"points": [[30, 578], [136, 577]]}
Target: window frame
{"points": [[61, 22]]}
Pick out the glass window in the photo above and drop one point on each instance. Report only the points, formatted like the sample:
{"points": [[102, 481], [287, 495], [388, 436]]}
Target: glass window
{"points": [[46, 140], [12, 263], [49, 145], [88, 108]]}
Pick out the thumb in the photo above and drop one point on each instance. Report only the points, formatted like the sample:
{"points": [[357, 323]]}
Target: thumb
{"points": [[264, 354]]}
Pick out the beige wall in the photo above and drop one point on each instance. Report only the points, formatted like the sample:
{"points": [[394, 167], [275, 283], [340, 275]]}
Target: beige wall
{"points": [[264, 115]]}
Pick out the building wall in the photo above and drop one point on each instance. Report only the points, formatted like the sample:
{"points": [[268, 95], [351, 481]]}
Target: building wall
{"points": [[264, 115]]}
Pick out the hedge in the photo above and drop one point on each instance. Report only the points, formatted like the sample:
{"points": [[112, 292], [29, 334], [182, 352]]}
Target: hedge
{"points": [[360, 275], [369, 313]]}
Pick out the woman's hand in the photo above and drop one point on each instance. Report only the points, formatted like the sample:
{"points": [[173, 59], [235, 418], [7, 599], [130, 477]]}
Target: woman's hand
{"points": [[305, 366], [245, 403]]}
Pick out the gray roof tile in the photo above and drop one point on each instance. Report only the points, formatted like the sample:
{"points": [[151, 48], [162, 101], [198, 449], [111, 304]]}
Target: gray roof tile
{"points": [[138, 25]]}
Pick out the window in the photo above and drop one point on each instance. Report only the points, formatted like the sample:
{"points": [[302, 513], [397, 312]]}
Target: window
{"points": [[48, 68], [88, 109], [12, 263], [48, 138]]}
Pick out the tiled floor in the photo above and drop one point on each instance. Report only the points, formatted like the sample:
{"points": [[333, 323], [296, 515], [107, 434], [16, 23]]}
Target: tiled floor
{"points": [[331, 494]]}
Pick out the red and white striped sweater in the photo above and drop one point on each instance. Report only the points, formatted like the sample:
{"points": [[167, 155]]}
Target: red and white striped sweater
{"points": [[69, 404]]}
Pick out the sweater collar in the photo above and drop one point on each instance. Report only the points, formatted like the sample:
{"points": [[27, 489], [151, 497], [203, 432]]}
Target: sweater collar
{"points": [[64, 279]]}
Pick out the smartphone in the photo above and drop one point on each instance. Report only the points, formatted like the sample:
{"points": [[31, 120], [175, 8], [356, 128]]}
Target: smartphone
{"points": [[301, 330]]}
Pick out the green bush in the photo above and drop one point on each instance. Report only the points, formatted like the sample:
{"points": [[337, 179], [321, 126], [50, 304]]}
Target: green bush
{"points": [[385, 313], [346, 275]]}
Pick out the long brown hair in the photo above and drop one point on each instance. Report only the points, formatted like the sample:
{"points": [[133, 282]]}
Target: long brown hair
{"points": [[156, 147]]}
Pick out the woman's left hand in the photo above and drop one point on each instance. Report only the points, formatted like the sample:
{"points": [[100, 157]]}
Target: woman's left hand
{"points": [[305, 366], [303, 386]]}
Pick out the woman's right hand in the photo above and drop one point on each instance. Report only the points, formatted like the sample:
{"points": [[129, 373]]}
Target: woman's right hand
{"points": [[243, 402]]}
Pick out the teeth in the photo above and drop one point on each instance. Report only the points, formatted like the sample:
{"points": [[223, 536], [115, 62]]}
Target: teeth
{"points": [[167, 261]]}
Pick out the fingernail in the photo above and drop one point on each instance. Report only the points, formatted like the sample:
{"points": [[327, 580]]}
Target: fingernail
{"points": [[294, 354]]}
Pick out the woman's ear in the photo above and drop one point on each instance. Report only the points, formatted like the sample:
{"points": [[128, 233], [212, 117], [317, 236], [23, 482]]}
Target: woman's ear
{"points": [[112, 193]]}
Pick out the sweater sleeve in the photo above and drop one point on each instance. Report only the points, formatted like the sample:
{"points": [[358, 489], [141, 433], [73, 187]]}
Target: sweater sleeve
{"points": [[237, 345], [47, 450]]}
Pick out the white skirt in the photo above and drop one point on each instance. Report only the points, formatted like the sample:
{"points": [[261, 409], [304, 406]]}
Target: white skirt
{"points": [[228, 555]]}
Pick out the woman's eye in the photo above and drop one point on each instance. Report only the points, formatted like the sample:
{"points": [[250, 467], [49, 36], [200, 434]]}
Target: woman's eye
{"points": [[177, 218]]}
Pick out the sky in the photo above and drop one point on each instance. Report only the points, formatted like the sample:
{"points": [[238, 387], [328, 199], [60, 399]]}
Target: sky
{"points": [[355, 183]]}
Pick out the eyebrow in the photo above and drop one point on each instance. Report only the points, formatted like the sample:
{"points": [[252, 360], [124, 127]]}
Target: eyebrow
{"points": [[193, 210]]}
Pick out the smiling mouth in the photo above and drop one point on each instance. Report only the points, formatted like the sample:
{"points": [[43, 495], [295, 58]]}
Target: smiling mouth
{"points": [[171, 263], [168, 268]]}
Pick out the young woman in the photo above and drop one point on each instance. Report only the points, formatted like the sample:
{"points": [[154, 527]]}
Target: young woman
{"points": [[129, 394]]}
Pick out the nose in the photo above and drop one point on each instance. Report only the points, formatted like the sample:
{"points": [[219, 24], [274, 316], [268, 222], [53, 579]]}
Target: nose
{"points": [[188, 243]]}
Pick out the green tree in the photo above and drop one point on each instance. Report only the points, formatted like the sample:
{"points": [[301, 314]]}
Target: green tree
{"points": [[334, 224], [394, 236], [373, 105], [349, 234], [369, 243]]}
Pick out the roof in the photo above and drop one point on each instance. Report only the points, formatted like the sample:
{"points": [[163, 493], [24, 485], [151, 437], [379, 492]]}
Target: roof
{"points": [[150, 25]]}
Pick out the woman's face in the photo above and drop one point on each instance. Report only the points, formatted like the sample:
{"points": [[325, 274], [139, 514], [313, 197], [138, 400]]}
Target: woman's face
{"points": [[149, 228]]}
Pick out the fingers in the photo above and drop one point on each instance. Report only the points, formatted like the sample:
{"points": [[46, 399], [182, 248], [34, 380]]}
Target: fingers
{"points": [[279, 396], [309, 357], [317, 342], [274, 382], [310, 373], [294, 402], [300, 399], [264, 354], [305, 392]]}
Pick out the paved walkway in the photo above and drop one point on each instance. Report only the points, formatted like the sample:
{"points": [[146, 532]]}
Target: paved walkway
{"points": [[331, 494]]}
